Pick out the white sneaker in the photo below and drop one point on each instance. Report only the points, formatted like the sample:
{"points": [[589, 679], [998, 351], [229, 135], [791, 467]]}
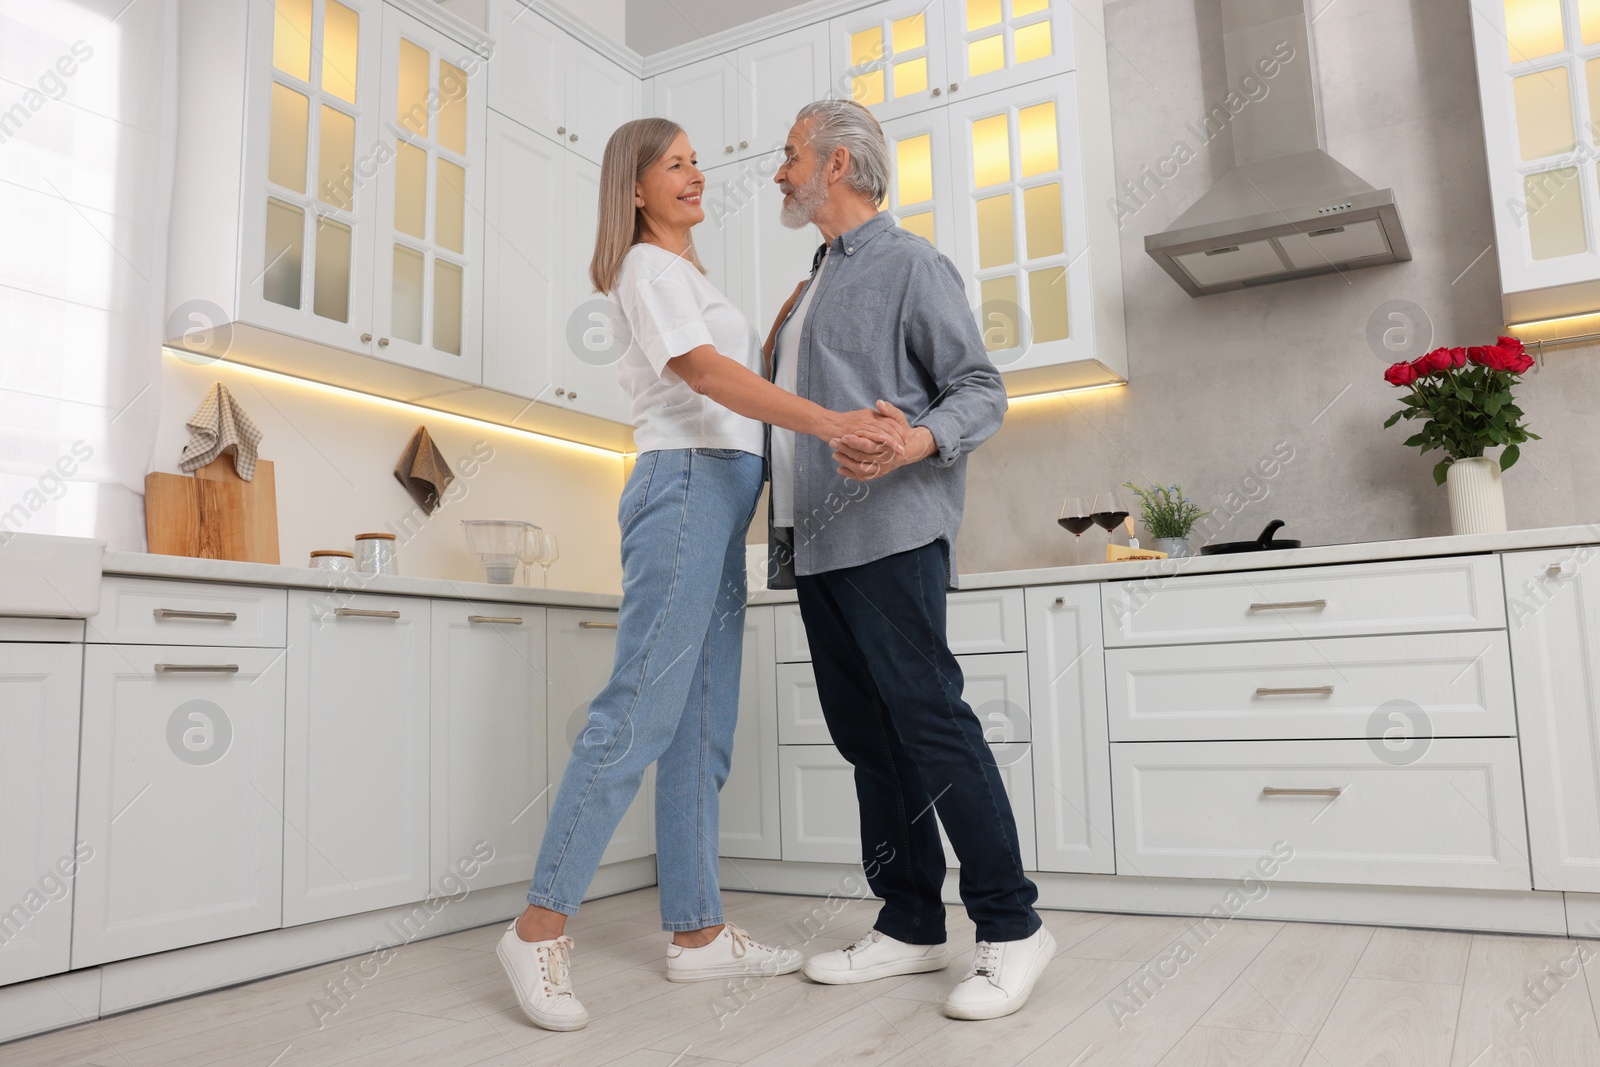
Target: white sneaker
{"points": [[1002, 976], [733, 953], [539, 973], [875, 956]]}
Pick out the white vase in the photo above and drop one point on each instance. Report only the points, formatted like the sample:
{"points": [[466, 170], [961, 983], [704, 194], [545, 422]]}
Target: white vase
{"points": [[1174, 547], [1477, 500]]}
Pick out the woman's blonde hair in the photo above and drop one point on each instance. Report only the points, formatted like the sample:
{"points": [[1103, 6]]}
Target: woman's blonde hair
{"points": [[631, 151]]}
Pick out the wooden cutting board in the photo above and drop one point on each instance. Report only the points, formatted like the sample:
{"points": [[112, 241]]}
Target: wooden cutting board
{"points": [[215, 514]]}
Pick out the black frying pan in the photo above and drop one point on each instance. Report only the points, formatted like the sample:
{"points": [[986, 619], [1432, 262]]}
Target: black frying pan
{"points": [[1265, 543]]}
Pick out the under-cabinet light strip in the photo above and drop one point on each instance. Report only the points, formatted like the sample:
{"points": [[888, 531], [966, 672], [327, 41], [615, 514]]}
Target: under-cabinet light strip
{"points": [[1068, 392], [339, 390]]}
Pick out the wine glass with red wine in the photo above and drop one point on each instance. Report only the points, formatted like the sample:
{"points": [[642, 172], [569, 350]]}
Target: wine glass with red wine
{"points": [[1075, 519], [1107, 510]]}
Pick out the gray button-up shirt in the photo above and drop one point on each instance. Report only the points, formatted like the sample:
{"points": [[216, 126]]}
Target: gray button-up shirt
{"points": [[889, 321]]}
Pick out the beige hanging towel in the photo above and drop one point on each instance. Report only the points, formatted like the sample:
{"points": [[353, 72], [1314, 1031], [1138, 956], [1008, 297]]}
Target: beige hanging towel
{"points": [[423, 471], [220, 425]]}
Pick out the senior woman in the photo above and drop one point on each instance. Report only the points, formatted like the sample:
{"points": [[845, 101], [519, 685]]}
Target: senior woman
{"points": [[692, 367]]}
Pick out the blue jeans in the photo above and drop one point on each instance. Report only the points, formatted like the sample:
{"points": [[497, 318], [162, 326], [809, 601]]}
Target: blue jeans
{"points": [[673, 697]]}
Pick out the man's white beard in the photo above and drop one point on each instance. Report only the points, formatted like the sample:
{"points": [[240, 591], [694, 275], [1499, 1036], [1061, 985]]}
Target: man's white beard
{"points": [[805, 200]]}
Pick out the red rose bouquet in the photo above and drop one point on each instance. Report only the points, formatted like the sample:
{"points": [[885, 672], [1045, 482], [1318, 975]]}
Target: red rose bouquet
{"points": [[1464, 396]]}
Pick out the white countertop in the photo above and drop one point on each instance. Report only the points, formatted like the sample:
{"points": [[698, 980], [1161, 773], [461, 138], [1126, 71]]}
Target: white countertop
{"points": [[217, 570], [1316, 555], [189, 568]]}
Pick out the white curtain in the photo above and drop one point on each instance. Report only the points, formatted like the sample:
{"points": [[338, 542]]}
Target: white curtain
{"points": [[88, 103]]}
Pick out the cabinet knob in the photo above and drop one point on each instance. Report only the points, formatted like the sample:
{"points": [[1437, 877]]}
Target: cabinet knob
{"points": [[954, 86], [937, 90], [383, 342], [1563, 569], [366, 338], [561, 129], [728, 150], [561, 392], [572, 396], [1061, 601], [572, 137], [744, 144]]}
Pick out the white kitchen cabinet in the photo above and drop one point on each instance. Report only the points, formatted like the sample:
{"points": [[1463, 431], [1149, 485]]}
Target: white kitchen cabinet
{"points": [[1538, 77], [180, 797], [490, 779], [741, 104], [1071, 756], [156, 611], [582, 645], [821, 819], [777, 77], [1452, 818], [554, 84], [586, 345], [977, 622], [39, 699], [309, 220], [548, 335], [922, 178], [891, 57], [1412, 686], [1553, 603], [703, 98], [526, 270], [1021, 236], [724, 241], [427, 300], [342, 142], [1342, 600], [356, 767], [1000, 44], [749, 825]]}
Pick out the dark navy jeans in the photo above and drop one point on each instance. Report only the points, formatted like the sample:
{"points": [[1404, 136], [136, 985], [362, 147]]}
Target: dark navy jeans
{"points": [[891, 695]]}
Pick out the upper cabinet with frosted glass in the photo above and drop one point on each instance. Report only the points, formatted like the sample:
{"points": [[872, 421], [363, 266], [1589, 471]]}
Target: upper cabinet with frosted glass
{"points": [[1539, 78], [905, 56], [330, 152], [997, 114]]}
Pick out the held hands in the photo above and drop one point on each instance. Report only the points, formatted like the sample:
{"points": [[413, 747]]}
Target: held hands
{"points": [[886, 443]]}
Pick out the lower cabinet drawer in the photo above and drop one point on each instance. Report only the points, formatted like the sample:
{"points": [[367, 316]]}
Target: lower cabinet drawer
{"points": [[1407, 688], [156, 611], [821, 822], [1452, 818], [995, 686]]}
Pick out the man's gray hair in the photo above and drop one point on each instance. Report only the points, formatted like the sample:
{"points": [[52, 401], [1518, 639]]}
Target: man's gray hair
{"points": [[836, 123]]}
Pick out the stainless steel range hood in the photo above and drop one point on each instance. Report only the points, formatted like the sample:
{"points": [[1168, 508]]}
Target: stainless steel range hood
{"points": [[1287, 209]]}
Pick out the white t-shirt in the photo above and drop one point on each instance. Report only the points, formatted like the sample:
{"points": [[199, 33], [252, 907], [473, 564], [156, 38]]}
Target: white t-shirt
{"points": [[788, 359], [669, 308]]}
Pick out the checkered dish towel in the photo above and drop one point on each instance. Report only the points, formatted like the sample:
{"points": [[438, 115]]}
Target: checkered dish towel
{"points": [[220, 425]]}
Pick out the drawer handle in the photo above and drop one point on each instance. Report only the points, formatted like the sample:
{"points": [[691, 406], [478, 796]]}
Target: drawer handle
{"points": [[365, 613], [1294, 690], [510, 619], [179, 613], [1560, 570], [587, 625], [1272, 791], [197, 668], [1316, 604]]}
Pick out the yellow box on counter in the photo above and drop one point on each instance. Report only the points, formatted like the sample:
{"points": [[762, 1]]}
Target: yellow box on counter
{"points": [[1118, 553]]}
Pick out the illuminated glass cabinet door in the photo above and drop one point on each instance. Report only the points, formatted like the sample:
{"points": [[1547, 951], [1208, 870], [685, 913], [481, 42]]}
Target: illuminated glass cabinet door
{"points": [[891, 57], [1539, 79], [922, 178], [427, 291], [995, 44], [311, 176], [1021, 238]]}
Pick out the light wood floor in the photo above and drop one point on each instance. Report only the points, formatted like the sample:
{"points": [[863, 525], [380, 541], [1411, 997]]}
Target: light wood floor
{"points": [[1125, 991]]}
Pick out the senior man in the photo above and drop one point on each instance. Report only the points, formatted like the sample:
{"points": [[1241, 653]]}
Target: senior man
{"points": [[866, 533]]}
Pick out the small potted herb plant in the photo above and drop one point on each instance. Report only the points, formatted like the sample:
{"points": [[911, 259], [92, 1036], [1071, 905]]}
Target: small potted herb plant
{"points": [[1168, 515]]}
